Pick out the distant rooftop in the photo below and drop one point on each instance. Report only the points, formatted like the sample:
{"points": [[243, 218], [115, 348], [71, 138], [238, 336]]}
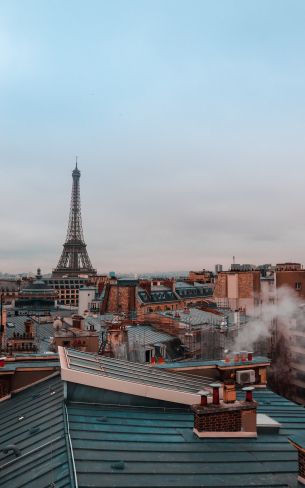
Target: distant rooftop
{"points": [[212, 363]]}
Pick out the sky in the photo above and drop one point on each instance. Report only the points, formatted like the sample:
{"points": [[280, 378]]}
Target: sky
{"points": [[188, 121]]}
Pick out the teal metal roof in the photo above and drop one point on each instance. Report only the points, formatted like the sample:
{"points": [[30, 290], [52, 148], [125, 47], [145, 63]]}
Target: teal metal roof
{"points": [[33, 420], [122, 447], [215, 363], [133, 372], [15, 365], [146, 335]]}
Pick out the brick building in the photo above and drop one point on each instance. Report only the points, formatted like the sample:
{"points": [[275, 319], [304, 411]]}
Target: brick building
{"points": [[294, 279], [238, 290], [139, 297], [288, 267], [289, 335]]}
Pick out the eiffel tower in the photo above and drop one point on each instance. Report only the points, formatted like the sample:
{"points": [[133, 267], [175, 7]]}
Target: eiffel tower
{"points": [[74, 259]]}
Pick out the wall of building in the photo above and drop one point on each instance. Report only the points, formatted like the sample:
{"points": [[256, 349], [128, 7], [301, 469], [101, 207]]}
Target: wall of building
{"points": [[267, 291], [67, 289], [85, 297], [121, 299], [87, 343], [238, 290], [24, 378], [294, 280]]}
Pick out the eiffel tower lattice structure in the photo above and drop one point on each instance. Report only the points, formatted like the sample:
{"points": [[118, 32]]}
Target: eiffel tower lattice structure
{"points": [[74, 259]]}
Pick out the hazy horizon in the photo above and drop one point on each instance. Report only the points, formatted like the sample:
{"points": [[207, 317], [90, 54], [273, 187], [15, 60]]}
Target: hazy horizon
{"points": [[187, 119]]}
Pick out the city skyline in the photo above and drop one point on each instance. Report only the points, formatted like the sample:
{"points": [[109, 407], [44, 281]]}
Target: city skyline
{"points": [[188, 122]]}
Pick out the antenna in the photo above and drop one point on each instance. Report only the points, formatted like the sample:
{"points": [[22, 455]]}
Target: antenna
{"points": [[233, 259]]}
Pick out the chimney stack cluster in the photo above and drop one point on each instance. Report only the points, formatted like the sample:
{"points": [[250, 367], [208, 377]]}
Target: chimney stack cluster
{"points": [[239, 357], [225, 418]]}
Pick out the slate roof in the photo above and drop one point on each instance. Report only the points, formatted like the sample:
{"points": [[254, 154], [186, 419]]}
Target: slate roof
{"points": [[195, 316], [125, 447], [43, 332], [146, 335], [33, 420]]}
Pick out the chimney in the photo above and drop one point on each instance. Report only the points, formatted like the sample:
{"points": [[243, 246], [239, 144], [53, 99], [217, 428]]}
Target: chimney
{"points": [[28, 325], [229, 391], [298, 441], [78, 322], [221, 419]]}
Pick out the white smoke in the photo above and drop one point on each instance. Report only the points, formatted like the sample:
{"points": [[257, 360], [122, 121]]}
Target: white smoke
{"points": [[286, 310]]}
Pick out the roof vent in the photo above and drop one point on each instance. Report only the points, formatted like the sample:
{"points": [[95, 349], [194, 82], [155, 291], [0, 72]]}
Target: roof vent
{"points": [[101, 419], [266, 424], [120, 465], [12, 447]]}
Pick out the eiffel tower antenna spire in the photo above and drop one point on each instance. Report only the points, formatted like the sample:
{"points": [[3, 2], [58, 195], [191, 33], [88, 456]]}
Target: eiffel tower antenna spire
{"points": [[74, 259]]}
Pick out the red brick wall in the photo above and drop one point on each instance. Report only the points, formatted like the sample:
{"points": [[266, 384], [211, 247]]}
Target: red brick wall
{"points": [[118, 299], [218, 422], [249, 284], [290, 278], [220, 290], [24, 378]]}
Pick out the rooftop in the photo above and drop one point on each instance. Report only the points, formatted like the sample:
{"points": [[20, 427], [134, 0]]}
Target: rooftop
{"points": [[196, 316], [144, 334], [34, 422], [121, 446], [127, 377], [213, 363]]}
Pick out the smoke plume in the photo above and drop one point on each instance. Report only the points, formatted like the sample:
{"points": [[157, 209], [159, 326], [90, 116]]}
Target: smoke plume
{"points": [[285, 311]]}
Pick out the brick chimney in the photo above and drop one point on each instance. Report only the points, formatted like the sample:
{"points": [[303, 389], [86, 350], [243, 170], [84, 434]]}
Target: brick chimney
{"points": [[28, 325], [78, 321], [298, 441], [220, 419]]}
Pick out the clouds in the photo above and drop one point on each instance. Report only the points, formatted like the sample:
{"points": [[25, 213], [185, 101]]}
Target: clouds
{"points": [[188, 120]]}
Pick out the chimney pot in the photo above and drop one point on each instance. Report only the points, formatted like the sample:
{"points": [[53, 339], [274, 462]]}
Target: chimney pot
{"points": [[236, 357], [215, 387], [249, 393], [243, 356], [203, 397]]}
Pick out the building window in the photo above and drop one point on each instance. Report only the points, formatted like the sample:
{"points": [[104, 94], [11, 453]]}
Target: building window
{"points": [[298, 285]]}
